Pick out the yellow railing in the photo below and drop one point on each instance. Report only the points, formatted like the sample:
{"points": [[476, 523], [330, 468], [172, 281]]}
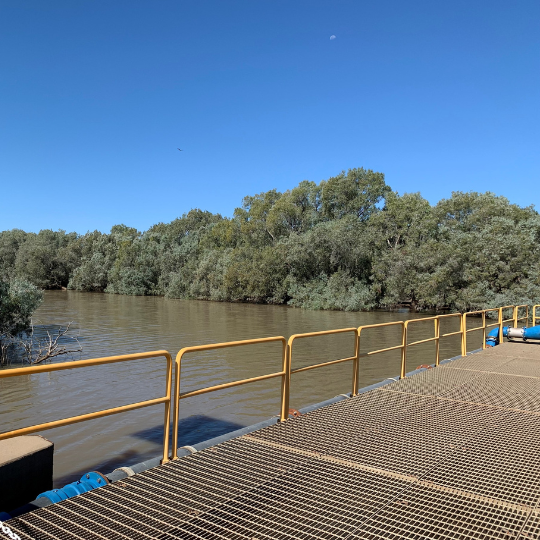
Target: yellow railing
{"points": [[524, 318], [534, 317], [286, 355], [177, 395], [166, 399], [436, 338], [402, 346], [353, 358]]}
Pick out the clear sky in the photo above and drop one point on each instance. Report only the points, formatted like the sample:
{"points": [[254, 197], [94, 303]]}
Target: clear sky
{"points": [[96, 96]]}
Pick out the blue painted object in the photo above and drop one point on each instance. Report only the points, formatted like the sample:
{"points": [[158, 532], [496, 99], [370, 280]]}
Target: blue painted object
{"points": [[492, 338], [524, 333], [88, 482]]}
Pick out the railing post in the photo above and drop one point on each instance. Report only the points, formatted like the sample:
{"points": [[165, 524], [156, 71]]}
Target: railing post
{"points": [[356, 364], [516, 309], [167, 419], [437, 340], [501, 339], [286, 381], [176, 404], [403, 350], [464, 334], [483, 329]]}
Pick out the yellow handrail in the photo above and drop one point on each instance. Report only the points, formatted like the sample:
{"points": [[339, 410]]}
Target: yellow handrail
{"points": [[353, 358], [177, 396], [166, 400], [534, 317], [517, 318], [402, 346], [173, 386], [436, 337]]}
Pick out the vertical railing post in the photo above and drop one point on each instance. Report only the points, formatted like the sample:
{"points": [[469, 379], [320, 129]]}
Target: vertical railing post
{"points": [[516, 309], [483, 329], [403, 350], [286, 380], [167, 420], [356, 364], [501, 339], [464, 334], [437, 340], [176, 404]]}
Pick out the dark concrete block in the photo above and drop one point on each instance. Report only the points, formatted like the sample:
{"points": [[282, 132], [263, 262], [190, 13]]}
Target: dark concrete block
{"points": [[26, 470]]}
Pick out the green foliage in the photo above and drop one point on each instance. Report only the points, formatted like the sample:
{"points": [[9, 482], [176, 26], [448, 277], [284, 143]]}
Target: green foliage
{"points": [[346, 243], [18, 300]]}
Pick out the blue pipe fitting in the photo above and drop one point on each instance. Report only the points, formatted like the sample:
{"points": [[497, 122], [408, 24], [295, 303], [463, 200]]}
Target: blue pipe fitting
{"points": [[524, 333], [492, 338], [88, 482]]}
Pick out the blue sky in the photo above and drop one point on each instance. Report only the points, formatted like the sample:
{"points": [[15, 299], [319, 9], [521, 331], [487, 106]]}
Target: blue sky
{"points": [[97, 96]]}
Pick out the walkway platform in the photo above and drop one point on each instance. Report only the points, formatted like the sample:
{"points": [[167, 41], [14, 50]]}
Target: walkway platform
{"points": [[453, 452]]}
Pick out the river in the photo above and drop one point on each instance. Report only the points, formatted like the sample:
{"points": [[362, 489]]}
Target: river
{"points": [[111, 324]]}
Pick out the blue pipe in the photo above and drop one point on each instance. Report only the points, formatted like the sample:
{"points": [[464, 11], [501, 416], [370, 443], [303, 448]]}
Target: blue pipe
{"points": [[524, 333], [88, 482], [531, 333]]}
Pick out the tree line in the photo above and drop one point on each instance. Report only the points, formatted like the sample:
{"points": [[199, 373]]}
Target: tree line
{"points": [[346, 243]]}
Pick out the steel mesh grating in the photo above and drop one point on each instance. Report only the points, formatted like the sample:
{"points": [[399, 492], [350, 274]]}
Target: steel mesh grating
{"points": [[434, 382], [318, 500], [174, 492], [422, 513], [524, 367], [479, 362], [449, 453], [501, 464], [517, 349], [531, 530], [500, 390]]}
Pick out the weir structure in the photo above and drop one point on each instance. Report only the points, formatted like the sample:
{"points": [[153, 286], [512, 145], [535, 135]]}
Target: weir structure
{"points": [[450, 450]]}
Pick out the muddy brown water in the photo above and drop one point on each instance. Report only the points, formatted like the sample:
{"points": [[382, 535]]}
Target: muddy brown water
{"points": [[111, 325]]}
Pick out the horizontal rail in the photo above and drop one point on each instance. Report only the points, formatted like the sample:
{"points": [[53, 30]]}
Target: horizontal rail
{"points": [[354, 359], [402, 346], [165, 400], [422, 341], [81, 418], [322, 364], [370, 353], [230, 384], [458, 333], [177, 395]]}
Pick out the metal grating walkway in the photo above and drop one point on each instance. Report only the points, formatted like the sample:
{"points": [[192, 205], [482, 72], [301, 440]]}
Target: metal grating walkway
{"points": [[453, 452]]}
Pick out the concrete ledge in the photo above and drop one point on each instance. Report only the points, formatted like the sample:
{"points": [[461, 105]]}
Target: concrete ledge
{"points": [[26, 470]]}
